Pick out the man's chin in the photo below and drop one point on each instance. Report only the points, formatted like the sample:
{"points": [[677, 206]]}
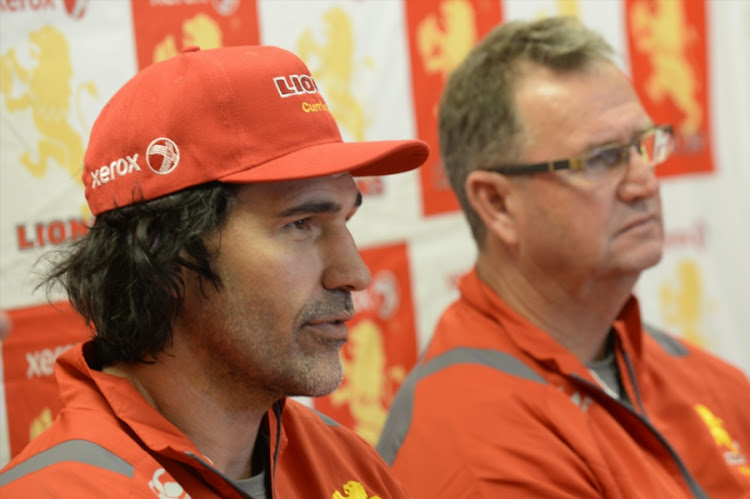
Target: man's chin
{"points": [[642, 256], [318, 384], [652, 255]]}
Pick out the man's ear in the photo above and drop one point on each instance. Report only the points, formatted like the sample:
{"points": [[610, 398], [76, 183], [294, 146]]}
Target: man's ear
{"points": [[492, 197]]}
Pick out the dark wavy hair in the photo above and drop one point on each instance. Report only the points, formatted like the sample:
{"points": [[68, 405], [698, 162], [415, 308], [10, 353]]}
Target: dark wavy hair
{"points": [[124, 275]]}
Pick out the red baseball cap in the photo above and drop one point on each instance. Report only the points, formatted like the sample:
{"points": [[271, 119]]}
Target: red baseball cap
{"points": [[242, 114]]}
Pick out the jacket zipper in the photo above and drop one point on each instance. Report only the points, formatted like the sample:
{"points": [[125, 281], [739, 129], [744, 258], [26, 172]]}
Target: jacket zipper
{"points": [[692, 484]]}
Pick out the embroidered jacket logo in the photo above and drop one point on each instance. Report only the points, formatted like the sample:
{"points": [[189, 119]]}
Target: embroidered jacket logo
{"points": [[352, 490], [164, 489], [723, 439]]}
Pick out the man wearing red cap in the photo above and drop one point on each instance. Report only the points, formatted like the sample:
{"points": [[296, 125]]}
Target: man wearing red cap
{"points": [[217, 278]]}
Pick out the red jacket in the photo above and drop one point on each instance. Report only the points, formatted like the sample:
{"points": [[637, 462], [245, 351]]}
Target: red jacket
{"points": [[107, 441], [497, 408]]}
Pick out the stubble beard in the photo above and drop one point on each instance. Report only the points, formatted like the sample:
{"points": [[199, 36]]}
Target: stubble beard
{"points": [[317, 377], [295, 372]]}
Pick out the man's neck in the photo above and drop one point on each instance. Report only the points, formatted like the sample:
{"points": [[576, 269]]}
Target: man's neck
{"points": [[578, 314], [224, 433]]}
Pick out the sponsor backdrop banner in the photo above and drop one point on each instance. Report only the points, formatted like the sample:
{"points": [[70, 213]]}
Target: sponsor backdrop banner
{"points": [[381, 65]]}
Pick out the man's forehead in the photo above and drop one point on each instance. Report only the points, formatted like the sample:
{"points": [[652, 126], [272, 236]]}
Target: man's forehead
{"points": [[598, 97], [341, 184]]}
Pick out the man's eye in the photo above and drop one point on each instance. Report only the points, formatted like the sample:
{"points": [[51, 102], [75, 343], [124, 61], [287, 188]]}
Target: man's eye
{"points": [[604, 158], [301, 224]]}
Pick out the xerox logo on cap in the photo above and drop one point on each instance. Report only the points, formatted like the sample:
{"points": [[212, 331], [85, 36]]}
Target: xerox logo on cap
{"points": [[117, 168], [162, 155]]}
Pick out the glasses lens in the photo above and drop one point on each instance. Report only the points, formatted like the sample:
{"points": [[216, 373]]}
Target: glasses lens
{"points": [[663, 144], [656, 145], [605, 162], [598, 162]]}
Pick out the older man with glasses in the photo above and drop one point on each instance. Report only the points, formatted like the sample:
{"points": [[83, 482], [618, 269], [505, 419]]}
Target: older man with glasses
{"points": [[541, 379]]}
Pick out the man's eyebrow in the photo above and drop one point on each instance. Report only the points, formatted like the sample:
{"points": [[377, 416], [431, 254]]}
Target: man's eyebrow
{"points": [[615, 143], [315, 207]]}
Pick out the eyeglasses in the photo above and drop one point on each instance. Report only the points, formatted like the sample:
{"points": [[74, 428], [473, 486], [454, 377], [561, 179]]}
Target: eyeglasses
{"points": [[654, 145]]}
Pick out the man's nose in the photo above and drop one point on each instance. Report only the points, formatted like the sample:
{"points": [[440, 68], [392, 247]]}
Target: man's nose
{"points": [[640, 179], [345, 269]]}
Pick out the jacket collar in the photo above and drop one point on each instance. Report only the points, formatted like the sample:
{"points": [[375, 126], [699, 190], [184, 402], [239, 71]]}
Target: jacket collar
{"points": [[117, 396], [537, 343]]}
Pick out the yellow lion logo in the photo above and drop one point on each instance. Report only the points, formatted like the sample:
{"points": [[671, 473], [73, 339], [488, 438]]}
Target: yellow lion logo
{"points": [[40, 423], [353, 490], [200, 30], [367, 381], [442, 49], [665, 35], [716, 427], [47, 93], [723, 439], [337, 69]]}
